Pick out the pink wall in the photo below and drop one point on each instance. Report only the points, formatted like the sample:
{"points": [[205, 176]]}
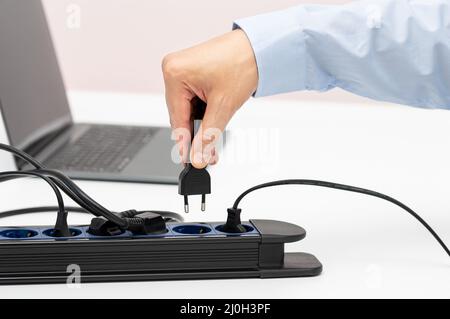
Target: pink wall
{"points": [[117, 45]]}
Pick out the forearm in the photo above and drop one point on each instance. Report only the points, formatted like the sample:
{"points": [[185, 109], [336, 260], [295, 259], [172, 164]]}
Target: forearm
{"points": [[391, 50]]}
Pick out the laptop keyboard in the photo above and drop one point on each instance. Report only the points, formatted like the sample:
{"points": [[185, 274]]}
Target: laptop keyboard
{"points": [[102, 148]]}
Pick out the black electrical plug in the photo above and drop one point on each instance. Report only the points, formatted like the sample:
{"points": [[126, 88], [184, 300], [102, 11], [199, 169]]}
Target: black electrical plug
{"points": [[61, 227], [194, 181], [100, 226], [146, 223], [140, 223], [233, 224]]}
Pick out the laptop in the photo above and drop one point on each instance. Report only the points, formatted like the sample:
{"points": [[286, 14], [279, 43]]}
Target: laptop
{"points": [[37, 116]]}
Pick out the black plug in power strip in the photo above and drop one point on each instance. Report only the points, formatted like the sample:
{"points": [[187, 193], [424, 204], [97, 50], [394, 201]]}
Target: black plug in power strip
{"points": [[186, 251]]}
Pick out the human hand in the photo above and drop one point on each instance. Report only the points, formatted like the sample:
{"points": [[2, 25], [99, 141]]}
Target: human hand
{"points": [[223, 73]]}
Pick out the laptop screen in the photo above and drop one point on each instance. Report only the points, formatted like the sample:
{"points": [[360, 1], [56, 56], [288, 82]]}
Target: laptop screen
{"points": [[32, 94]]}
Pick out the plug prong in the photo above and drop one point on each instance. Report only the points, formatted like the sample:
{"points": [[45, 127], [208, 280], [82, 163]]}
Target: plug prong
{"points": [[186, 204], [203, 202]]}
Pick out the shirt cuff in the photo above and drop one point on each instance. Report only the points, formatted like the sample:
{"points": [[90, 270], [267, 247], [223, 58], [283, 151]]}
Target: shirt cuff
{"points": [[279, 47]]}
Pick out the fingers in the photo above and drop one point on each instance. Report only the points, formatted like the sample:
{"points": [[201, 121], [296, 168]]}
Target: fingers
{"points": [[180, 112], [178, 99], [204, 147]]}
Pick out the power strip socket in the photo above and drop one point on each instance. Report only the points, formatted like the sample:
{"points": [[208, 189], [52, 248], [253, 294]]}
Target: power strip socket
{"points": [[185, 251]]}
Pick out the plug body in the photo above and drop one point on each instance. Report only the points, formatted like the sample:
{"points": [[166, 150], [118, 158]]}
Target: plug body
{"points": [[233, 224], [194, 181], [61, 226], [147, 223], [140, 223], [100, 226]]}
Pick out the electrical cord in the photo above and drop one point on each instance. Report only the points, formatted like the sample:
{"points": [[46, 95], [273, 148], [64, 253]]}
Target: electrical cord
{"points": [[61, 228], [21, 154], [168, 216], [80, 197], [67, 185], [140, 221], [40, 209], [58, 195], [234, 212]]}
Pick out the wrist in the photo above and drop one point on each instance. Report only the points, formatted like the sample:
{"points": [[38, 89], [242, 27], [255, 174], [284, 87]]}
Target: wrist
{"points": [[246, 59]]}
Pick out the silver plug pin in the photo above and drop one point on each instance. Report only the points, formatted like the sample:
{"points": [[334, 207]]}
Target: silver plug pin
{"points": [[186, 204], [203, 202]]}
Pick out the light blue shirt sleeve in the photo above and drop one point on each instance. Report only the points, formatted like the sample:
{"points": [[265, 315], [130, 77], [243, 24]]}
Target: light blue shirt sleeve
{"points": [[388, 50]]}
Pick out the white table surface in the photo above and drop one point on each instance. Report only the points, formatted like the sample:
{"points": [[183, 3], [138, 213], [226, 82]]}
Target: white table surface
{"points": [[368, 247]]}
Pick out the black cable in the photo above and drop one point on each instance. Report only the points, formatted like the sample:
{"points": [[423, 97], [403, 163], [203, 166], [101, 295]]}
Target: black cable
{"points": [[168, 216], [21, 154], [68, 186], [67, 190], [73, 191], [80, 197], [89, 204], [61, 228], [345, 188], [58, 195], [41, 209]]}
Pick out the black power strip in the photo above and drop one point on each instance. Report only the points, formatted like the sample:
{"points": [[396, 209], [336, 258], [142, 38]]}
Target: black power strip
{"points": [[29, 255]]}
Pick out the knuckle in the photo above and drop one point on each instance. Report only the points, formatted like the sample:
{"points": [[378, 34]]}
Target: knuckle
{"points": [[172, 65]]}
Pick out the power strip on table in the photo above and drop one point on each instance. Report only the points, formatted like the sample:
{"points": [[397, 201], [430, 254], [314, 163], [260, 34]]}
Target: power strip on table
{"points": [[29, 255]]}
